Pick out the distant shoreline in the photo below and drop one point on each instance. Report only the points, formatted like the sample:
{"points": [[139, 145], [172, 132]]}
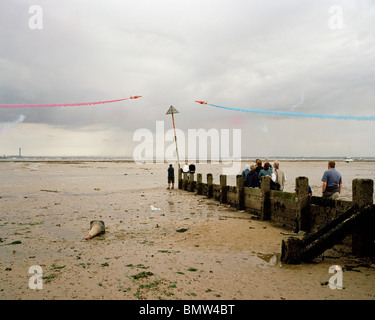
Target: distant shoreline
{"points": [[149, 161]]}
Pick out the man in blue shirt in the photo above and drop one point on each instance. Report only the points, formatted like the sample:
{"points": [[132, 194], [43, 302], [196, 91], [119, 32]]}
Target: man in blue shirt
{"points": [[332, 182]]}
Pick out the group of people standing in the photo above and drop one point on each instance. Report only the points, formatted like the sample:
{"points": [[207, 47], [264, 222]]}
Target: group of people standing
{"points": [[188, 168], [185, 169], [252, 175]]}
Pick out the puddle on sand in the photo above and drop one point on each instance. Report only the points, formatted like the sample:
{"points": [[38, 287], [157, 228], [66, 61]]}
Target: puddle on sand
{"points": [[59, 233], [12, 196]]}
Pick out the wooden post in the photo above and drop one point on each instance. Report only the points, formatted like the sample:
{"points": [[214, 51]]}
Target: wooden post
{"points": [[291, 250], [358, 221], [362, 191], [199, 184], [363, 238], [265, 187], [239, 192], [179, 179], [223, 188], [303, 204], [185, 182], [209, 185], [314, 244], [192, 183]]}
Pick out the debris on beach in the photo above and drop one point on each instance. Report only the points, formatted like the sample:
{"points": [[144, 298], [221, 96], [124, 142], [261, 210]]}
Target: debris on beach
{"points": [[182, 230], [12, 243], [96, 227], [142, 274], [154, 208]]}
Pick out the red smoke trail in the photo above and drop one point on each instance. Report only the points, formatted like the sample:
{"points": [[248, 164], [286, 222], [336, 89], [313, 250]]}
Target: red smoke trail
{"points": [[63, 104]]}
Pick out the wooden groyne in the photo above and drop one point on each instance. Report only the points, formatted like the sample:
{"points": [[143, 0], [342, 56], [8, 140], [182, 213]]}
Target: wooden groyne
{"points": [[299, 211]]}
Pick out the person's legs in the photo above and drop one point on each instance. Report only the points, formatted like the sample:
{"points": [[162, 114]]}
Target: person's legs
{"points": [[169, 182]]}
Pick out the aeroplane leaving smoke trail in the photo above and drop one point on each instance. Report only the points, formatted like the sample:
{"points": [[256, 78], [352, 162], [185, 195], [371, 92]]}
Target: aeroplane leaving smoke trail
{"points": [[294, 114], [63, 104]]}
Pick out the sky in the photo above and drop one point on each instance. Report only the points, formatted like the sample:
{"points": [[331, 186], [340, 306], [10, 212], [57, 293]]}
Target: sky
{"points": [[289, 56]]}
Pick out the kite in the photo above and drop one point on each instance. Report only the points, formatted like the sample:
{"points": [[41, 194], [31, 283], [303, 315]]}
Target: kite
{"points": [[63, 104], [294, 114]]}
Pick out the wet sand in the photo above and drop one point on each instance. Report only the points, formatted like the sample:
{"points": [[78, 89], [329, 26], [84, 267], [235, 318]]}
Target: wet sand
{"points": [[192, 248]]}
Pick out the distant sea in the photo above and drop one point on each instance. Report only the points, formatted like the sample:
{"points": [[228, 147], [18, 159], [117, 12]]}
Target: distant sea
{"points": [[293, 167], [128, 158]]}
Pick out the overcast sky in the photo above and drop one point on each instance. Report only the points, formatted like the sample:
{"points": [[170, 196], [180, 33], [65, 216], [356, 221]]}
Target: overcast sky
{"points": [[300, 56]]}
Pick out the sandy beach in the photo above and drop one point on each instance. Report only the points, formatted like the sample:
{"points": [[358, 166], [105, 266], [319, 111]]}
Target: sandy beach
{"points": [[189, 248]]}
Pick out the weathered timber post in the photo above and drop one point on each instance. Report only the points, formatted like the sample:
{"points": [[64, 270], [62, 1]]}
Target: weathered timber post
{"points": [[358, 221], [199, 184], [240, 193], [223, 188], [302, 204], [192, 183], [210, 187], [265, 187], [185, 182], [295, 250], [179, 177], [362, 191], [357, 217], [291, 250], [363, 238]]}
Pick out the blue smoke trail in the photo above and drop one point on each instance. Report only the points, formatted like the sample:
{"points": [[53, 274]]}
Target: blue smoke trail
{"points": [[295, 114]]}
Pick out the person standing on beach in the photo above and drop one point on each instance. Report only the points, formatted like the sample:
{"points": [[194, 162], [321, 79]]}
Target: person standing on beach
{"points": [[252, 180], [244, 175], [185, 169], [266, 171], [279, 175], [332, 182], [259, 167], [170, 176], [192, 168]]}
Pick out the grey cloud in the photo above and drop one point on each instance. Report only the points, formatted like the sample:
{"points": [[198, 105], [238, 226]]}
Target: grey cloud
{"points": [[245, 54]]}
